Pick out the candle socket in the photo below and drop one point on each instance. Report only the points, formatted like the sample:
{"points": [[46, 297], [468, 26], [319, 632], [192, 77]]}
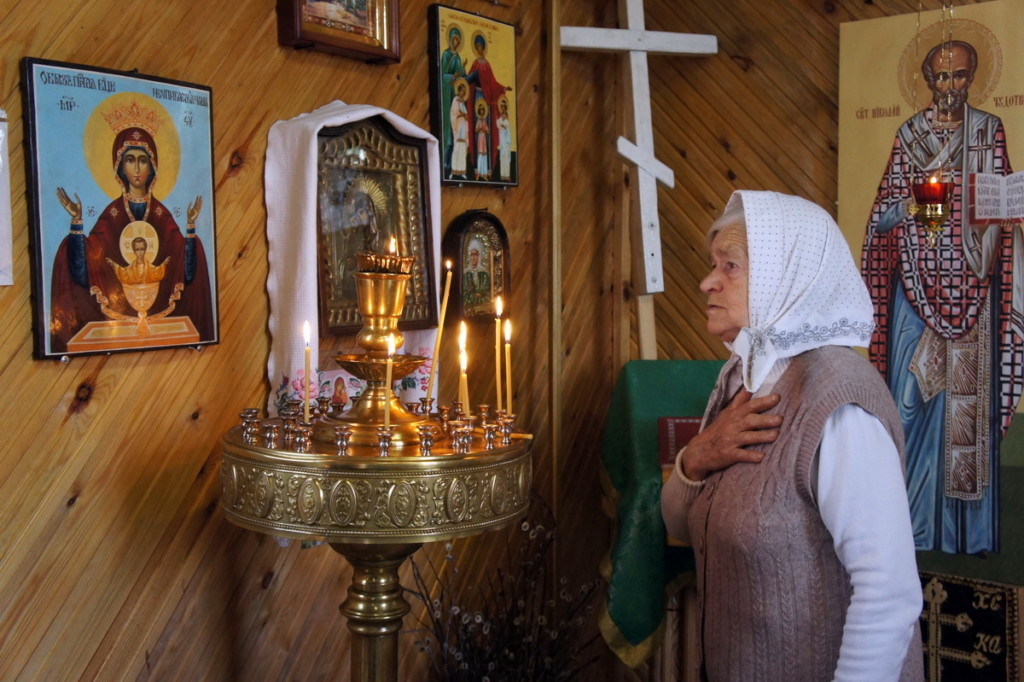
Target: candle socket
{"points": [[426, 406], [271, 432], [462, 436], [342, 436], [490, 433], [426, 432], [384, 434], [250, 425], [507, 425]]}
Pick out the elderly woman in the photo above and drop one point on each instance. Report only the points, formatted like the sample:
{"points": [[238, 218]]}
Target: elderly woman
{"points": [[793, 493]]}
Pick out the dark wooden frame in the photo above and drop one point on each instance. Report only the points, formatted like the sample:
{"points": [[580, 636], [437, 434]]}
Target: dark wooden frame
{"points": [[485, 228], [64, 105], [368, 165], [376, 43], [501, 37]]}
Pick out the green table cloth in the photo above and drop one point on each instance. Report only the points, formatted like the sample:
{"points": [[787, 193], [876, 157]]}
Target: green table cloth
{"points": [[640, 566]]}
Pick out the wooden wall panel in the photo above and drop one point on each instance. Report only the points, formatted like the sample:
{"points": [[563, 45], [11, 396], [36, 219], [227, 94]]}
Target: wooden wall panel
{"points": [[761, 114], [115, 560]]}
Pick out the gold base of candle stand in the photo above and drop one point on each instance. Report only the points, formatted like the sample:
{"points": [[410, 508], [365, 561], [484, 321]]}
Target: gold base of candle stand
{"points": [[367, 410], [375, 607], [375, 511]]}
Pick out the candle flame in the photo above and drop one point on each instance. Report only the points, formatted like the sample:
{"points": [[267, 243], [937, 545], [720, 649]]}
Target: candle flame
{"points": [[934, 180], [448, 264], [463, 360], [462, 336], [391, 345], [305, 331], [508, 331], [393, 246], [497, 306]]}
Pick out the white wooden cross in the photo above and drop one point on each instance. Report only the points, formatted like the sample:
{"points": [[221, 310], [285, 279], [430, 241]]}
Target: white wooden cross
{"points": [[638, 42]]}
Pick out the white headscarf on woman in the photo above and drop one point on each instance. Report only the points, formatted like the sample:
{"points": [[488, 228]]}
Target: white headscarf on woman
{"points": [[804, 289]]}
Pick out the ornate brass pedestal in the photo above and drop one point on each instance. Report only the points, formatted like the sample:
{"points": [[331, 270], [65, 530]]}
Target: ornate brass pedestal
{"points": [[375, 509]]}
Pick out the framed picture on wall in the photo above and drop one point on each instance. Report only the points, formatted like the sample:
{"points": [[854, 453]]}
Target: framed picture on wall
{"points": [[120, 182], [472, 97], [363, 29], [476, 242], [371, 188]]}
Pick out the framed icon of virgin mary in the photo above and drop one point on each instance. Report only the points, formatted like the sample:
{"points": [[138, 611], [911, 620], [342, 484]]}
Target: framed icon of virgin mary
{"points": [[120, 178], [371, 194]]}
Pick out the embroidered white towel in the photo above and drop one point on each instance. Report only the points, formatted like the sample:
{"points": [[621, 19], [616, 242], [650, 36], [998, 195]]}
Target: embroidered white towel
{"points": [[290, 179]]}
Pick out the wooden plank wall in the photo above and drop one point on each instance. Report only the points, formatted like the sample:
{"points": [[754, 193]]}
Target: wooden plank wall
{"points": [[115, 560], [762, 114]]}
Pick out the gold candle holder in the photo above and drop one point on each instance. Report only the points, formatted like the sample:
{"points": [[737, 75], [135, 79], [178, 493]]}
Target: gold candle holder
{"points": [[381, 300], [390, 263]]}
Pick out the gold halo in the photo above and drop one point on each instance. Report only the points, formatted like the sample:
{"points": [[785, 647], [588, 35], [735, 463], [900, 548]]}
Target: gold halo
{"points": [[990, 60], [481, 104], [131, 232], [375, 192], [457, 82], [448, 34], [98, 142]]}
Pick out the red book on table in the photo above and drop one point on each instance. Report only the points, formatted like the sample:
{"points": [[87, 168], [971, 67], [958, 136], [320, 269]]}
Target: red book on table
{"points": [[673, 434]]}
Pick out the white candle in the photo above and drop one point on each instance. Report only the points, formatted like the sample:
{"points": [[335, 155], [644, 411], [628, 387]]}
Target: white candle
{"points": [[497, 351], [387, 380], [508, 366], [305, 335], [440, 328]]}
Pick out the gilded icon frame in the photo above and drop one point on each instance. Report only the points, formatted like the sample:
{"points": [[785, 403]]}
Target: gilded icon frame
{"points": [[371, 186], [369, 34], [483, 233]]}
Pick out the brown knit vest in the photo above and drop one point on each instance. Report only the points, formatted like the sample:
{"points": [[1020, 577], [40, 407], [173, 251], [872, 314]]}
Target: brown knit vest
{"points": [[772, 592]]}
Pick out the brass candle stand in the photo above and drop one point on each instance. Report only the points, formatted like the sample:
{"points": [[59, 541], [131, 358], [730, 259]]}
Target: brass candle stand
{"points": [[376, 494]]}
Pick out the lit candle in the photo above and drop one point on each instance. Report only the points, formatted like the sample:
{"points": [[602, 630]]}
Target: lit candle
{"points": [[463, 364], [497, 351], [393, 246], [931, 192], [387, 380], [440, 328], [508, 366], [464, 381], [305, 335]]}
